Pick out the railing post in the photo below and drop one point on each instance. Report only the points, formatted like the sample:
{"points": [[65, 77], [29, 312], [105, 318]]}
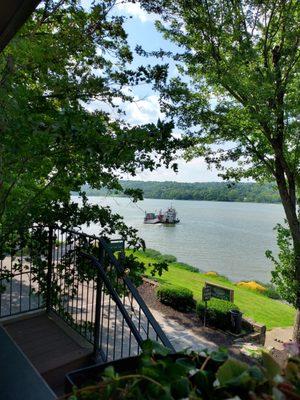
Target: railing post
{"points": [[97, 345], [49, 270]]}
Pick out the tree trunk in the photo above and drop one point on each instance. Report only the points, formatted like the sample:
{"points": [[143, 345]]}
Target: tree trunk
{"points": [[289, 202], [296, 333]]}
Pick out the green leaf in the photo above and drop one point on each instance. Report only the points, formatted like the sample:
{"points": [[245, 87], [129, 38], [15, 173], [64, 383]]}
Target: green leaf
{"points": [[230, 370], [186, 363], [154, 391], [180, 388], [154, 372], [257, 374], [151, 347], [202, 379], [271, 366], [109, 372], [219, 356], [174, 371]]}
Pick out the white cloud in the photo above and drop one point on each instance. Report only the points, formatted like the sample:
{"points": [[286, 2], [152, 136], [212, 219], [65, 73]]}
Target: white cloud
{"points": [[136, 11], [193, 171], [143, 111], [138, 112]]}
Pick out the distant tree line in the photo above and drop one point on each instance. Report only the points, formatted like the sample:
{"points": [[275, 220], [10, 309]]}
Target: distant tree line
{"points": [[209, 191]]}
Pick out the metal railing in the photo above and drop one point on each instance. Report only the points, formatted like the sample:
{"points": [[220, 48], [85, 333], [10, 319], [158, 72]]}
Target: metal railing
{"points": [[78, 277], [23, 268]]}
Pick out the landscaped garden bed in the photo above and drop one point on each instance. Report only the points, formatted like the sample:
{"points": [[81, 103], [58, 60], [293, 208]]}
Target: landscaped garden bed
{"points": [[256, 305], [189, 321], [159, 374]]}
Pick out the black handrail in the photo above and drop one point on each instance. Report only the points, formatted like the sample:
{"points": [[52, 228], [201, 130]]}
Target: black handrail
{"points": [[165, 341], [109, 313], [115, 296], [133, 290]]}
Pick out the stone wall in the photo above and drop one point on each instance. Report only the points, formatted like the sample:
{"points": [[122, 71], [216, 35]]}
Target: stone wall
{"points": [[257, 332]]}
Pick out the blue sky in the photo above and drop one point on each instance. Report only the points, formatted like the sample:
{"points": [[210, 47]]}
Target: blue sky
{"points": [[141, 31]]}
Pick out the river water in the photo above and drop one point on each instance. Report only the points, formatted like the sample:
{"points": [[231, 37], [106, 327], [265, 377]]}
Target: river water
{"points": [[230, 238]]}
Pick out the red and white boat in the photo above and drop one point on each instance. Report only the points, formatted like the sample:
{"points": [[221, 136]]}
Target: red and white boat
{"points": [[168, 217]]}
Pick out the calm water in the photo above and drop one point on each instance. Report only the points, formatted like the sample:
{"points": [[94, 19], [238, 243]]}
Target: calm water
{"points": [[230, 238]]}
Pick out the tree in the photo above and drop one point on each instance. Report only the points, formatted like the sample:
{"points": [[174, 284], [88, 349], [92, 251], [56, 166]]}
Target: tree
{"points": [[284, 273], [61, 61], [240, 95]]}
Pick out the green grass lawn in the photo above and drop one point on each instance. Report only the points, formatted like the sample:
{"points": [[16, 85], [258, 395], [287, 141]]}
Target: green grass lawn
{"points": [[254, 305]]}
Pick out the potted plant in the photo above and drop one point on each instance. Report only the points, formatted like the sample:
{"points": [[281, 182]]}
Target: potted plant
{"points": [[208, 375]]}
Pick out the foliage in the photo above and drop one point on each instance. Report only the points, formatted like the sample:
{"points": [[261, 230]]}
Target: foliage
{"points": [[272, 293], [63, 71], [136, 269], [209, 191], [206, 375], [236, 93], [179, 298], [252, 285], [211, 273], [252, 350], [187, 267], [217, 312], [167, 258], [283, 275], [255, 305], [152, 253]]}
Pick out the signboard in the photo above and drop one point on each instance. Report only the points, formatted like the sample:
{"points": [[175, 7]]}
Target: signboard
{"points": [[220, 292], [117, 245], [206, 293]]}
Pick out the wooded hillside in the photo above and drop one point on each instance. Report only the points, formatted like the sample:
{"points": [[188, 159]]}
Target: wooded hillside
{"points": [[211, 191]]}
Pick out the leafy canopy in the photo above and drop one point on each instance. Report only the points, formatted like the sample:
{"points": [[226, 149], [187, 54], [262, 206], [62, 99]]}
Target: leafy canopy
{"points": [[63, 80], [237, 93], [239, 63]]}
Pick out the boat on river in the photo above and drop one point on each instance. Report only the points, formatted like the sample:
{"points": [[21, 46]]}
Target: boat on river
{"points": [[168, 217]]}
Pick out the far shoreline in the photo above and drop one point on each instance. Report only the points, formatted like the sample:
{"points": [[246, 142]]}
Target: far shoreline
{"points": [[193, 200]]}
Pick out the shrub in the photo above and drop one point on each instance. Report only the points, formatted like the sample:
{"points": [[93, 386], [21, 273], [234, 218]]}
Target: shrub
{"points": [[168, 258], [158, 373], [178, 298], [188, 267], [217, 312], [252, 285], [211, 273], [272, 292], [151, 253]]}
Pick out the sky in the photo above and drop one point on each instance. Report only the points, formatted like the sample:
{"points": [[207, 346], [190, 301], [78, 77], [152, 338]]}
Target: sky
{"points": [[141, 30]]}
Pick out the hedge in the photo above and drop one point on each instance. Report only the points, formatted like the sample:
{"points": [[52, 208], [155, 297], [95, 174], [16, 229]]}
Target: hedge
{"points": [[168, 258], [187, 267], [217, 312], [151, 253], [178, 298]]}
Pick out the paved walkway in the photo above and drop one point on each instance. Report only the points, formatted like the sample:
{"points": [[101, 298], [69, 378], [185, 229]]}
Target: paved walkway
{"points": [[181, 337], [276, 337]]}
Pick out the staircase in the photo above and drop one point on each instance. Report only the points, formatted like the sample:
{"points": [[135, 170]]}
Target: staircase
{"points": [[68, 302]]}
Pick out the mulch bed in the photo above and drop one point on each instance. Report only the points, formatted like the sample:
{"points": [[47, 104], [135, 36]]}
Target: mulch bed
{"points": [[190, 321]]}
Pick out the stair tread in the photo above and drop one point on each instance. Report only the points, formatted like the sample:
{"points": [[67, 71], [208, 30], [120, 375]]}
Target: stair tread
{"points": [[45, 343]]}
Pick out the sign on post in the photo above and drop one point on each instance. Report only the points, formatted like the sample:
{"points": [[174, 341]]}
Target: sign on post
{"points": [[206, 293], [206, 296], [220, 292], [117, 246]]}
